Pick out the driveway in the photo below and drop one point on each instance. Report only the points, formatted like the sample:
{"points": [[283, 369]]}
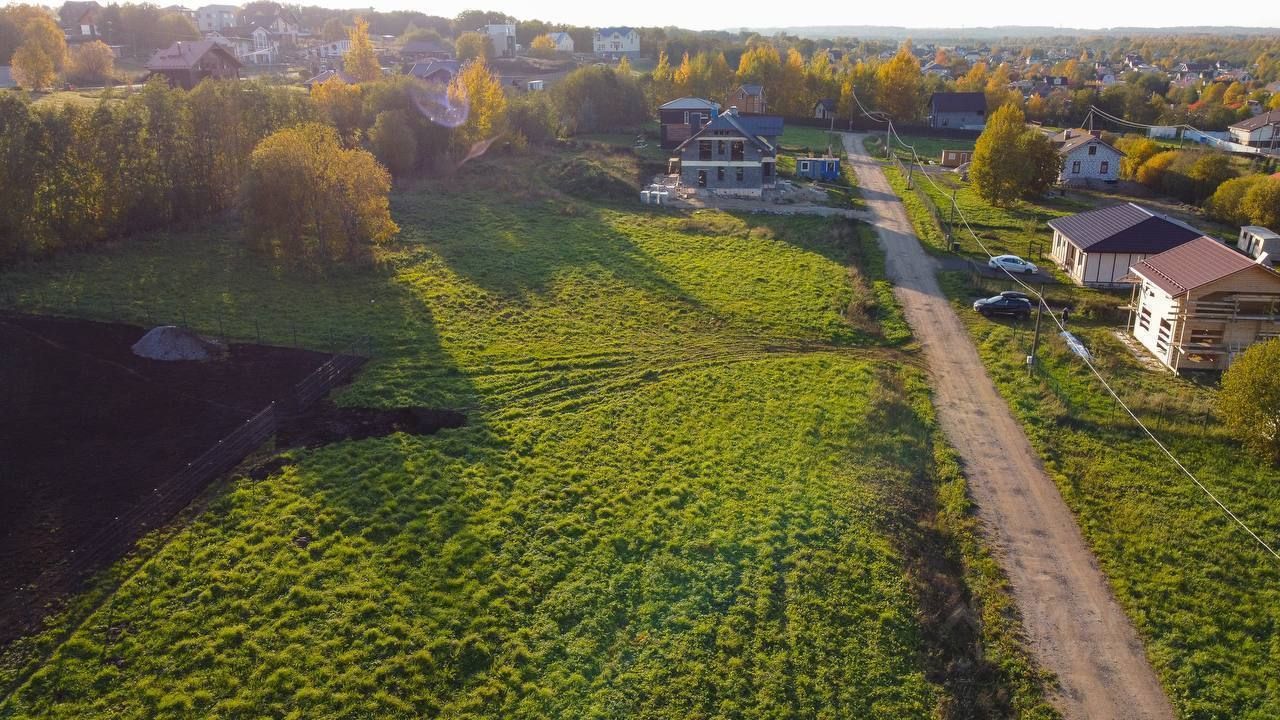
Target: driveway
{"points": [[1075, 626]]}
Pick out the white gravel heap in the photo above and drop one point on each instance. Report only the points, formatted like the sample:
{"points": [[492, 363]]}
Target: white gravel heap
{"points": [[170, 342]]}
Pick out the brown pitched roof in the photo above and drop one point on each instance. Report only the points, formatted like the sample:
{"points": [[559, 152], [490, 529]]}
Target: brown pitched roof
{"points": [[1193, 264], [185, 55], [1127, 228], [1258, 121]]}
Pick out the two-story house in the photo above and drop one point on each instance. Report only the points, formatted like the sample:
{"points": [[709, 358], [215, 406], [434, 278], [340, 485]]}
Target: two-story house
{"points": [[563, 41], [185, 64], [1086, 157], [282, 24], [749, 99], [681, 118], [966, 110], [726, 158], [1199, 305], [616, 42]]}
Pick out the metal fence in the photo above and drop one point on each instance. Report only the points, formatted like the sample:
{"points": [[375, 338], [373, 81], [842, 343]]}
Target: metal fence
{"points": [[23, 607]]}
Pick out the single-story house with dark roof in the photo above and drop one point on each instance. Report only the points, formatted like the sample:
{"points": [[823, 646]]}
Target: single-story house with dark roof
{"points": [[1098, 247], [749, 99], [185, 64], [679, 119], [1086, 156], [966, 110], [435, 71], [1200, 304], [1258, 131], [726, 158], [824, 109]]}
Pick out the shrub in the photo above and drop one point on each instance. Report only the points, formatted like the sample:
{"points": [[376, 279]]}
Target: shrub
{"points": [[1249, 402], [1227, 202]]}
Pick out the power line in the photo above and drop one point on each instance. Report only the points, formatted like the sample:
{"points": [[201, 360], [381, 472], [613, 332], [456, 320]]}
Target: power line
{"points": [[1040, 298]]}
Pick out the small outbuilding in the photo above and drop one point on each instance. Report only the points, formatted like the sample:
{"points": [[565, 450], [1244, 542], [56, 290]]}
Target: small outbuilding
{"points": [[824, 109], [818, 168], [1261, 244]]}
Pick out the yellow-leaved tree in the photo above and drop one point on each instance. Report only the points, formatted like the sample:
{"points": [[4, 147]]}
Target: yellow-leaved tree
{"points": [[477, 88], [92, 62], [899, 85], [361, 62], [542, 46], [307, 198], [343, 104]]}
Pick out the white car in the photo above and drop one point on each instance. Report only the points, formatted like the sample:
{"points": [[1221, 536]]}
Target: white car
{"points": [[1013, 264]]}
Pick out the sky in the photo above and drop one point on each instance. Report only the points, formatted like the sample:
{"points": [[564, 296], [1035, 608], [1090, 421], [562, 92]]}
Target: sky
{"points": [[759, 13]]}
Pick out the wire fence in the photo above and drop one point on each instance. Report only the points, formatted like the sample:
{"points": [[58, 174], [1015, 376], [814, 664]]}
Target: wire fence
{"points": [[24, 606]]}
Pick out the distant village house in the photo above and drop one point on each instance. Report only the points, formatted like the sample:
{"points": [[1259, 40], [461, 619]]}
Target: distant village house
{"points": [[616, 42], [964, 110], [749, 99], [1086, 157], [185, 64]]}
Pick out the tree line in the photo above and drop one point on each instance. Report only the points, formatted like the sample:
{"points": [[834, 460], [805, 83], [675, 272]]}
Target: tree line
{"points": [[310, 173]]}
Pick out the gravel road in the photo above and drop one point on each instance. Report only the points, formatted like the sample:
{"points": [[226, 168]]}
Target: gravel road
{"points": [[1076, 628]]}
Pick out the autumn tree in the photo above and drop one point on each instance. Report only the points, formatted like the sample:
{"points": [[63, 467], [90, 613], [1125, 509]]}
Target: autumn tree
{"points": [[1249, 400], [41, 31], [899, 85], [361, 62], [473, 46], [32, 67], [542, 46], [342, 104], [1151, 173], [1137, 150], [308, 198], [1262, 203], [1011, 161], [92, 62], [481, 92], [661, 80]]}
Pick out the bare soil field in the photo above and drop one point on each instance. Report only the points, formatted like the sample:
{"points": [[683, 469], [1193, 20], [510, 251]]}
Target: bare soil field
{"points": [[87, 429]]}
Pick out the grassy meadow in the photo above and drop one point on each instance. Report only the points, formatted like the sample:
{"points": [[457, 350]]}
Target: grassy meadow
{"points": [[697, 466]]}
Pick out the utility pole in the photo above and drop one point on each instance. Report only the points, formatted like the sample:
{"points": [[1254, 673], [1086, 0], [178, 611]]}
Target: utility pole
{"points": [[1035, 340], [887, 147]]}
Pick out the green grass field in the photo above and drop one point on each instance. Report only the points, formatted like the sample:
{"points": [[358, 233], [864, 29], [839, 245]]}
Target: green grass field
{"points": [[1204, 596], [693, 468]]}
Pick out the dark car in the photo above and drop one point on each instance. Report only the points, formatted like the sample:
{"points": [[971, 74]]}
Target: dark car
{"points": [[1016, 294], [1003, 305]]}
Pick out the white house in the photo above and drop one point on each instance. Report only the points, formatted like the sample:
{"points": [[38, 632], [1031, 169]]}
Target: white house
{"points": [[616, 42], [503, 39], [212, 18], [1098, 247], [1260, 244], [1199, 305], [334, 49], [1086, 157], [1258, 131], [251, 45], [563, 41]]}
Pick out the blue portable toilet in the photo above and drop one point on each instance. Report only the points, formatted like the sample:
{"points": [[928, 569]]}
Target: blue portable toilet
{"points": [[818, 168]]}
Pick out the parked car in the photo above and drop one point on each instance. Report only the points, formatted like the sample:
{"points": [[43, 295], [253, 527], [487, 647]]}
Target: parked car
{"points": [[1001, 305], [1012, 263]]}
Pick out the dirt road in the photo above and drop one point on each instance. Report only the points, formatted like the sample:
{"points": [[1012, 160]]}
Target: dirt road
{"points": [[1076, 628]]}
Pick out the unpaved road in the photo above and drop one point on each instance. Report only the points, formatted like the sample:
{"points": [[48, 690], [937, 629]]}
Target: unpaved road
{"points": [[1076, 628]]}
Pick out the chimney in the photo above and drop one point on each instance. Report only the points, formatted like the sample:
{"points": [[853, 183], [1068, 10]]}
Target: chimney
{"points": [[1066, 134], [733, 110], [1096, 133]]}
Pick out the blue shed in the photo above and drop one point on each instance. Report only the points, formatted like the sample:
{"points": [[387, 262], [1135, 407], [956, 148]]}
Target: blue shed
{"points": [[818, 168]]}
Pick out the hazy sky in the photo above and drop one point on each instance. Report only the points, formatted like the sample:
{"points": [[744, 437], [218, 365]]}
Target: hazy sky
{"points": [[757, 13]]}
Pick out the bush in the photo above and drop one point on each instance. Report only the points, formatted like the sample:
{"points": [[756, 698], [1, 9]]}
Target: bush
{"points": [[1249, 402], [1227, 202], [591, 179], [598, 99]]}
